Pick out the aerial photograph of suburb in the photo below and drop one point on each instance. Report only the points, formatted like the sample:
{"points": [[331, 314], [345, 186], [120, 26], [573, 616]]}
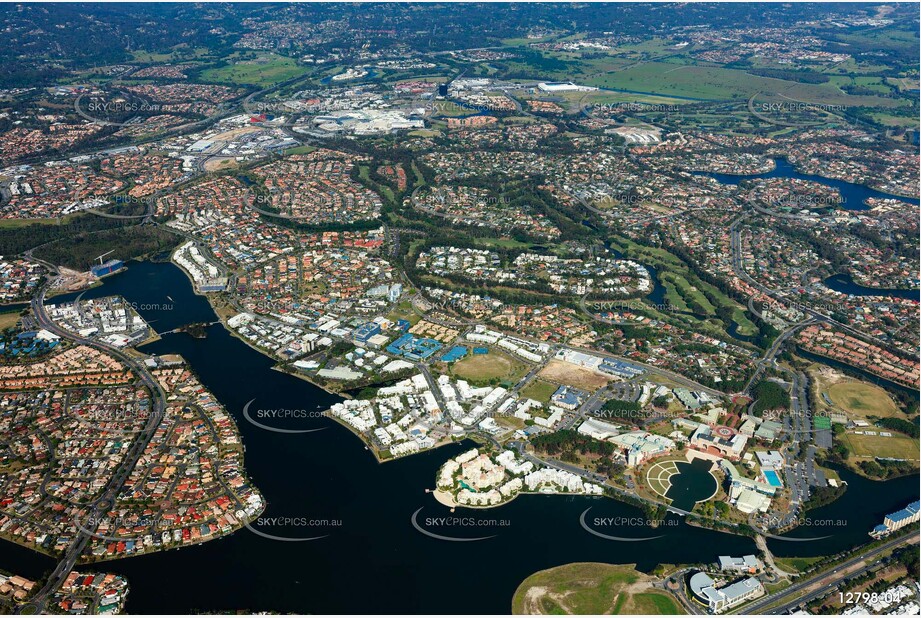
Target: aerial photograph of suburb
{"points": [[463, 309]]}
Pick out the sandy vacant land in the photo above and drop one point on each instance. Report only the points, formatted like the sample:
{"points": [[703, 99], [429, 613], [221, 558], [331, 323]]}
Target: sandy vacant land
{"points": [[592, 588], [214, 165], [562, 372]]}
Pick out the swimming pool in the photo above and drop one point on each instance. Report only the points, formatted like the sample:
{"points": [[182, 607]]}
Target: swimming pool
{"points": [[771, 477]]}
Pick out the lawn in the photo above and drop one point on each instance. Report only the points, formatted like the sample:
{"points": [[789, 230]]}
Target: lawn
{"points": [[718, 83], [744, 326], [690, 294], [404, 311], [591, 588], [487, 368], [651, 603], [538, 390], [8, 319], [300, 150], [11, 224], [796, 565], [505, 243], [896, 446]]}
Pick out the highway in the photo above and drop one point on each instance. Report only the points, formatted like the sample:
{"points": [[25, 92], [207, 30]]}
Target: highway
{"points": [[86, 530], [835, 576], [768, 360]]}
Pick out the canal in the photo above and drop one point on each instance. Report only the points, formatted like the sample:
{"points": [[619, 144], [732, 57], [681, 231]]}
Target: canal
{"points": [[853, 195]]}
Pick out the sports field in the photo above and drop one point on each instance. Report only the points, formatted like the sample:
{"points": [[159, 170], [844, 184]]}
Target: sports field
{"points": [[896, 446], [263, 71], [861, 399], [483, 368]]}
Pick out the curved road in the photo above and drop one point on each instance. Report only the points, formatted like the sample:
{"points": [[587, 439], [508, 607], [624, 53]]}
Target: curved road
{"points": [[100, 506]]}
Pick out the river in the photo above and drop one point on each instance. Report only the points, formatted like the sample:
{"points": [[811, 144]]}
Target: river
{"points": [[373, 559]]}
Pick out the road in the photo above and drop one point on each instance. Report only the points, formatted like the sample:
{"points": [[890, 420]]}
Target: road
{"points": [[103, 503], [781, 297], [768, 360], [833, 576]]}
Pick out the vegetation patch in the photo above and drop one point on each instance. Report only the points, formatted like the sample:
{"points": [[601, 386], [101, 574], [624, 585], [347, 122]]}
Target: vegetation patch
{"points": [[591, 588]]}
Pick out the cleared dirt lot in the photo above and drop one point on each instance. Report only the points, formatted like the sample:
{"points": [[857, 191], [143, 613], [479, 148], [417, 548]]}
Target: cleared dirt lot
{"points": [[562, 372]]}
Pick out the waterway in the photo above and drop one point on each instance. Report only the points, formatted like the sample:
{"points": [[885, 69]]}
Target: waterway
{"points": [[852, 195], [845, 522], [845, 285], [370, 542]]}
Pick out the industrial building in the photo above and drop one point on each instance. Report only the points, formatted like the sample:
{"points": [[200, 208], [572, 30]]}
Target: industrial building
{"points": [[563, 87]]}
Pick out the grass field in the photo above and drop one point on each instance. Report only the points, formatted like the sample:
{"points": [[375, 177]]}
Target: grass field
{"points": [[265, 70], [538, 390], [485, 368], [404, 311], [861, 399], [8, 319], [744, 326], [896, 446], [718, 83], [300, 150], [505, 243], [591, 588], [11, 224], [687, 294], [796, 565]]}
